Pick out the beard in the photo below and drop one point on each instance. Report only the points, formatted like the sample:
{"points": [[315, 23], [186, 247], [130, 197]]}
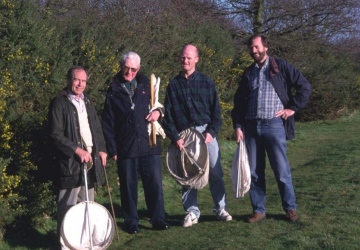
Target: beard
{"points": [[258, 57]]}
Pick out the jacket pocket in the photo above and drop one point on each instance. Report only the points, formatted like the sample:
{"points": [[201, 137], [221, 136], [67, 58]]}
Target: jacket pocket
{"points": [[69, 166]]}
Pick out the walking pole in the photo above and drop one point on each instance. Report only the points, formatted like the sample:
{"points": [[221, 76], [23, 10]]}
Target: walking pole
{"points": [[111, 203], [87, 205]]}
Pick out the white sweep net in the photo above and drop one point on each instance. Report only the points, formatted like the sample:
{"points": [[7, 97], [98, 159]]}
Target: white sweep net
{"points": [[74, 232], [190, 166]]}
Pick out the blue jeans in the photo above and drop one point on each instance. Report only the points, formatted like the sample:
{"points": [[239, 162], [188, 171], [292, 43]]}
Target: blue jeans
{"points": [[216, 182], [267, 136], [149, 168]]}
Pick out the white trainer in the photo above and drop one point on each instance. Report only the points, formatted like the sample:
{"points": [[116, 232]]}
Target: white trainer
{"points": [[223, 215], [190, 219]]}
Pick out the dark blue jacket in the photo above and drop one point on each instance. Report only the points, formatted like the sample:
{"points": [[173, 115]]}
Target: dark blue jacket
{"points": [[125, 128], [285, 78]]}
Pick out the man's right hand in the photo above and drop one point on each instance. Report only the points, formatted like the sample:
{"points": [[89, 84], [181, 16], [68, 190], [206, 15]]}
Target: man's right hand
{"points": [[180, 144], [238, 135], [83, 155]]}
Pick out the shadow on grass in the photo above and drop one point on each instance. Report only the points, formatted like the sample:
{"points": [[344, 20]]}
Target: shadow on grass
{"points": [[176, 220], [23, 235]]}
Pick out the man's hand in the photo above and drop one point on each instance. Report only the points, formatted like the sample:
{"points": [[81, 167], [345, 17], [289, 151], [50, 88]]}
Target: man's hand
{"points": [[153, 116], [285, 113], [180, 144], [83, 155], [208, 137], [103, 156], [238, 135]]}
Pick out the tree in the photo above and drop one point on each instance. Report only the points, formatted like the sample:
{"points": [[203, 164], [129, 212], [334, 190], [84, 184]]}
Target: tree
{"points": [[327, 18]]}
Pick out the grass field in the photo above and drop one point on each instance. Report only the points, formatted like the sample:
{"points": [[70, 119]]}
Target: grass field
{"points": [[325, 159]]}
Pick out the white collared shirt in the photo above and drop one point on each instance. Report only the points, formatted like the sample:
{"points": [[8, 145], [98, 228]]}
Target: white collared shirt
{"points": [[85, 131]]}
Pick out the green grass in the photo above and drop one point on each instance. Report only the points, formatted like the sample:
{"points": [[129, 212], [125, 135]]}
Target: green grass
{"points": [[325, 159]]}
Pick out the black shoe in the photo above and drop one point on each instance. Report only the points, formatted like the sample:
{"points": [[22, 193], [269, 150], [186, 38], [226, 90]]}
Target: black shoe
{"points": [[161, 225], [132, 229]]}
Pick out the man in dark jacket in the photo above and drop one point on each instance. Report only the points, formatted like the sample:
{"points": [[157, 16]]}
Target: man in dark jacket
{"points": [[78, 140], [125, 124], [269, 93]]}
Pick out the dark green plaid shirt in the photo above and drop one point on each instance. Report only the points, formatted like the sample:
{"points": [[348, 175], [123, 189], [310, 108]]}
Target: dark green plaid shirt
{"points": [[189, 103]]}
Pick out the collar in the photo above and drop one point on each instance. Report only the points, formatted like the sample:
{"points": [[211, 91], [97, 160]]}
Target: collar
{"points": [[73, 97], [265, 65], [190, 77]]}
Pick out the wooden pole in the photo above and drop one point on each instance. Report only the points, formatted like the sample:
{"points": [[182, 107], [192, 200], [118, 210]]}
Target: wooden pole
{"points": [[152, 137]]}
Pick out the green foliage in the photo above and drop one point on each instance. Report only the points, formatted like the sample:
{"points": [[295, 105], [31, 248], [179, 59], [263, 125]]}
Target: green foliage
{"points": [[8, 196], [227, 82], [336, 86], [38, 43], [25, 66]]}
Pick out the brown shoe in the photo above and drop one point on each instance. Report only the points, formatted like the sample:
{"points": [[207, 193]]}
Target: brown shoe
{"points": [[292, 215], [256, 217]]}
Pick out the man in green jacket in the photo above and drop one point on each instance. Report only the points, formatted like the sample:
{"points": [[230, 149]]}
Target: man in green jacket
{"points": [[77, 137]]}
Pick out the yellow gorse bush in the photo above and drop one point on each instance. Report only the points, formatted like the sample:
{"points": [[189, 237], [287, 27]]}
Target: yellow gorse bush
{"points": [[7, 183], [89, 49], [225, 112]]}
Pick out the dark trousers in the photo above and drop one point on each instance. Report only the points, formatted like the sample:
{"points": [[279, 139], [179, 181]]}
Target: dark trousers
{"points": [[149, 168]]}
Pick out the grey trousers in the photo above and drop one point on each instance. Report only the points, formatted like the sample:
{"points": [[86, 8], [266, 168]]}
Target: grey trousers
{"points": [[67, 199]]}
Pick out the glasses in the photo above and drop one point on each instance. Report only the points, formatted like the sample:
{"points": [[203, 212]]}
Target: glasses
{"points": [[126, 68]]}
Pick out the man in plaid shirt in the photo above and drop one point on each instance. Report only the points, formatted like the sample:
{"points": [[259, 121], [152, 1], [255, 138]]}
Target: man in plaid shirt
{"points": [[192, 102], [269, 93]]}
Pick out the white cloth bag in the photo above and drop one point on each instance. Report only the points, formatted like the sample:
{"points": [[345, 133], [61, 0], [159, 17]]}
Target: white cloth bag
{"points": [[240, 171]]}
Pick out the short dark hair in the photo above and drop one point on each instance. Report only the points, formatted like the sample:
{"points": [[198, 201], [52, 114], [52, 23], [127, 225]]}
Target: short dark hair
{"points": [[264, 40], [70, 72]]}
